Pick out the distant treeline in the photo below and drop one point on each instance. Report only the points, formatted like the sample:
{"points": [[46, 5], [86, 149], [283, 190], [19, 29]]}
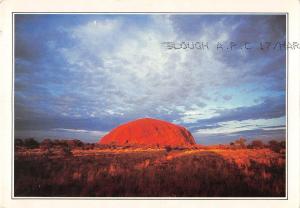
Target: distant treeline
{"points": [[241, 143]]}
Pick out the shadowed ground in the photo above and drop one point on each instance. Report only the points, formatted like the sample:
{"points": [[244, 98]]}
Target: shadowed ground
{"points": [[150, 173]]}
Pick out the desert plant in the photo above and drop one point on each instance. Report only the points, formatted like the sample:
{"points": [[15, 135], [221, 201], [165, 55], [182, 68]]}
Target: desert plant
{"points": [[31, 143], [168, 148], [276, 146], [241, 142], [67, 151], [19, 142], [46, 144], [256, 144]]}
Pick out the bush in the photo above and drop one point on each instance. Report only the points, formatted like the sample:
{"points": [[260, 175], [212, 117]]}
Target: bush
{"points": [[46, 144], [276, 146], [75, 143], [238, 144], [256, 144], [168, 148], [149, 174], [241, 142], [31, 143], [67, 151], [19, 143]]}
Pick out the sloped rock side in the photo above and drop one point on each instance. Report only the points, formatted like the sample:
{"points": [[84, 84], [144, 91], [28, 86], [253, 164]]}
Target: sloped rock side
{"points": [[148, 131]]}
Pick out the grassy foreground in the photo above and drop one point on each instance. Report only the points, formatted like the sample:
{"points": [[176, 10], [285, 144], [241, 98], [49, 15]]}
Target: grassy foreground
{"points": [[149, 172]]}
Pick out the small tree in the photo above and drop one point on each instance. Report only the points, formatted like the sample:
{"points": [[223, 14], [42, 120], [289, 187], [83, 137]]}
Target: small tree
{"points": [[19, 142], [75, 143], [67, 151], [276, 146], [256, 144], [46, 144], [241, 142], [282, 144], [31, 143]]}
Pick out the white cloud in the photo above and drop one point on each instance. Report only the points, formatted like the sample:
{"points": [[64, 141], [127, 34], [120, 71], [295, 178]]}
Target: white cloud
{"points": [[119, 69], [230, 127], [83, 135], [96, 133]]}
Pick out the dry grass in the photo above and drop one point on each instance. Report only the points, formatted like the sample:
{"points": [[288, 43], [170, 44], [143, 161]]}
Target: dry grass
{"points": [[150, 172]]}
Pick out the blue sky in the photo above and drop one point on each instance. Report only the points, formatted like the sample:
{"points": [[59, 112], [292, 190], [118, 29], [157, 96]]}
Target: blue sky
{"points": [[79, 76]]}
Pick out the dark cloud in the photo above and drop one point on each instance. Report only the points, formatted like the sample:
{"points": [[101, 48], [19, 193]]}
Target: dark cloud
{"points": [[75, 72], [240, 27], [211, 126], [48, 123], [263, 135], [190, 26], [268, 108], [271, 107], [227, 97], [278, 126]]}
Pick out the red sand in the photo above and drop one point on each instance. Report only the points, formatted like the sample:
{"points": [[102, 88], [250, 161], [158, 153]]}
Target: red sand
{"points": [[148, 131]]}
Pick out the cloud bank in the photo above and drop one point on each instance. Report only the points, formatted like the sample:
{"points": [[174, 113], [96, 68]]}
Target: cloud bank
{"points": [[94, 72]]}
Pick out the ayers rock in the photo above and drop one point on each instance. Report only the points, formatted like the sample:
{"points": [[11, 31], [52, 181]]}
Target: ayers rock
{"points": [[148, 131]]}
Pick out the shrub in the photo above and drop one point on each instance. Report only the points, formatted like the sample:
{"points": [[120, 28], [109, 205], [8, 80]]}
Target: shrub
{"points": [[67, 151], [75, 143], [241, 142], [31, 143], [256, 144], [168, 148], [46, 144], [19, 142], [149, 174], [276, 146]]}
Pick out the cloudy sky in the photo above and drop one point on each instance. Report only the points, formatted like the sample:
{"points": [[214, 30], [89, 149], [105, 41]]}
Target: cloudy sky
{"points": [[79, 76]]}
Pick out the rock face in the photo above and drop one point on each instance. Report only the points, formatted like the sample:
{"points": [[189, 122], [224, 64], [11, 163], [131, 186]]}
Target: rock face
{"points": [[148, 131]]}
